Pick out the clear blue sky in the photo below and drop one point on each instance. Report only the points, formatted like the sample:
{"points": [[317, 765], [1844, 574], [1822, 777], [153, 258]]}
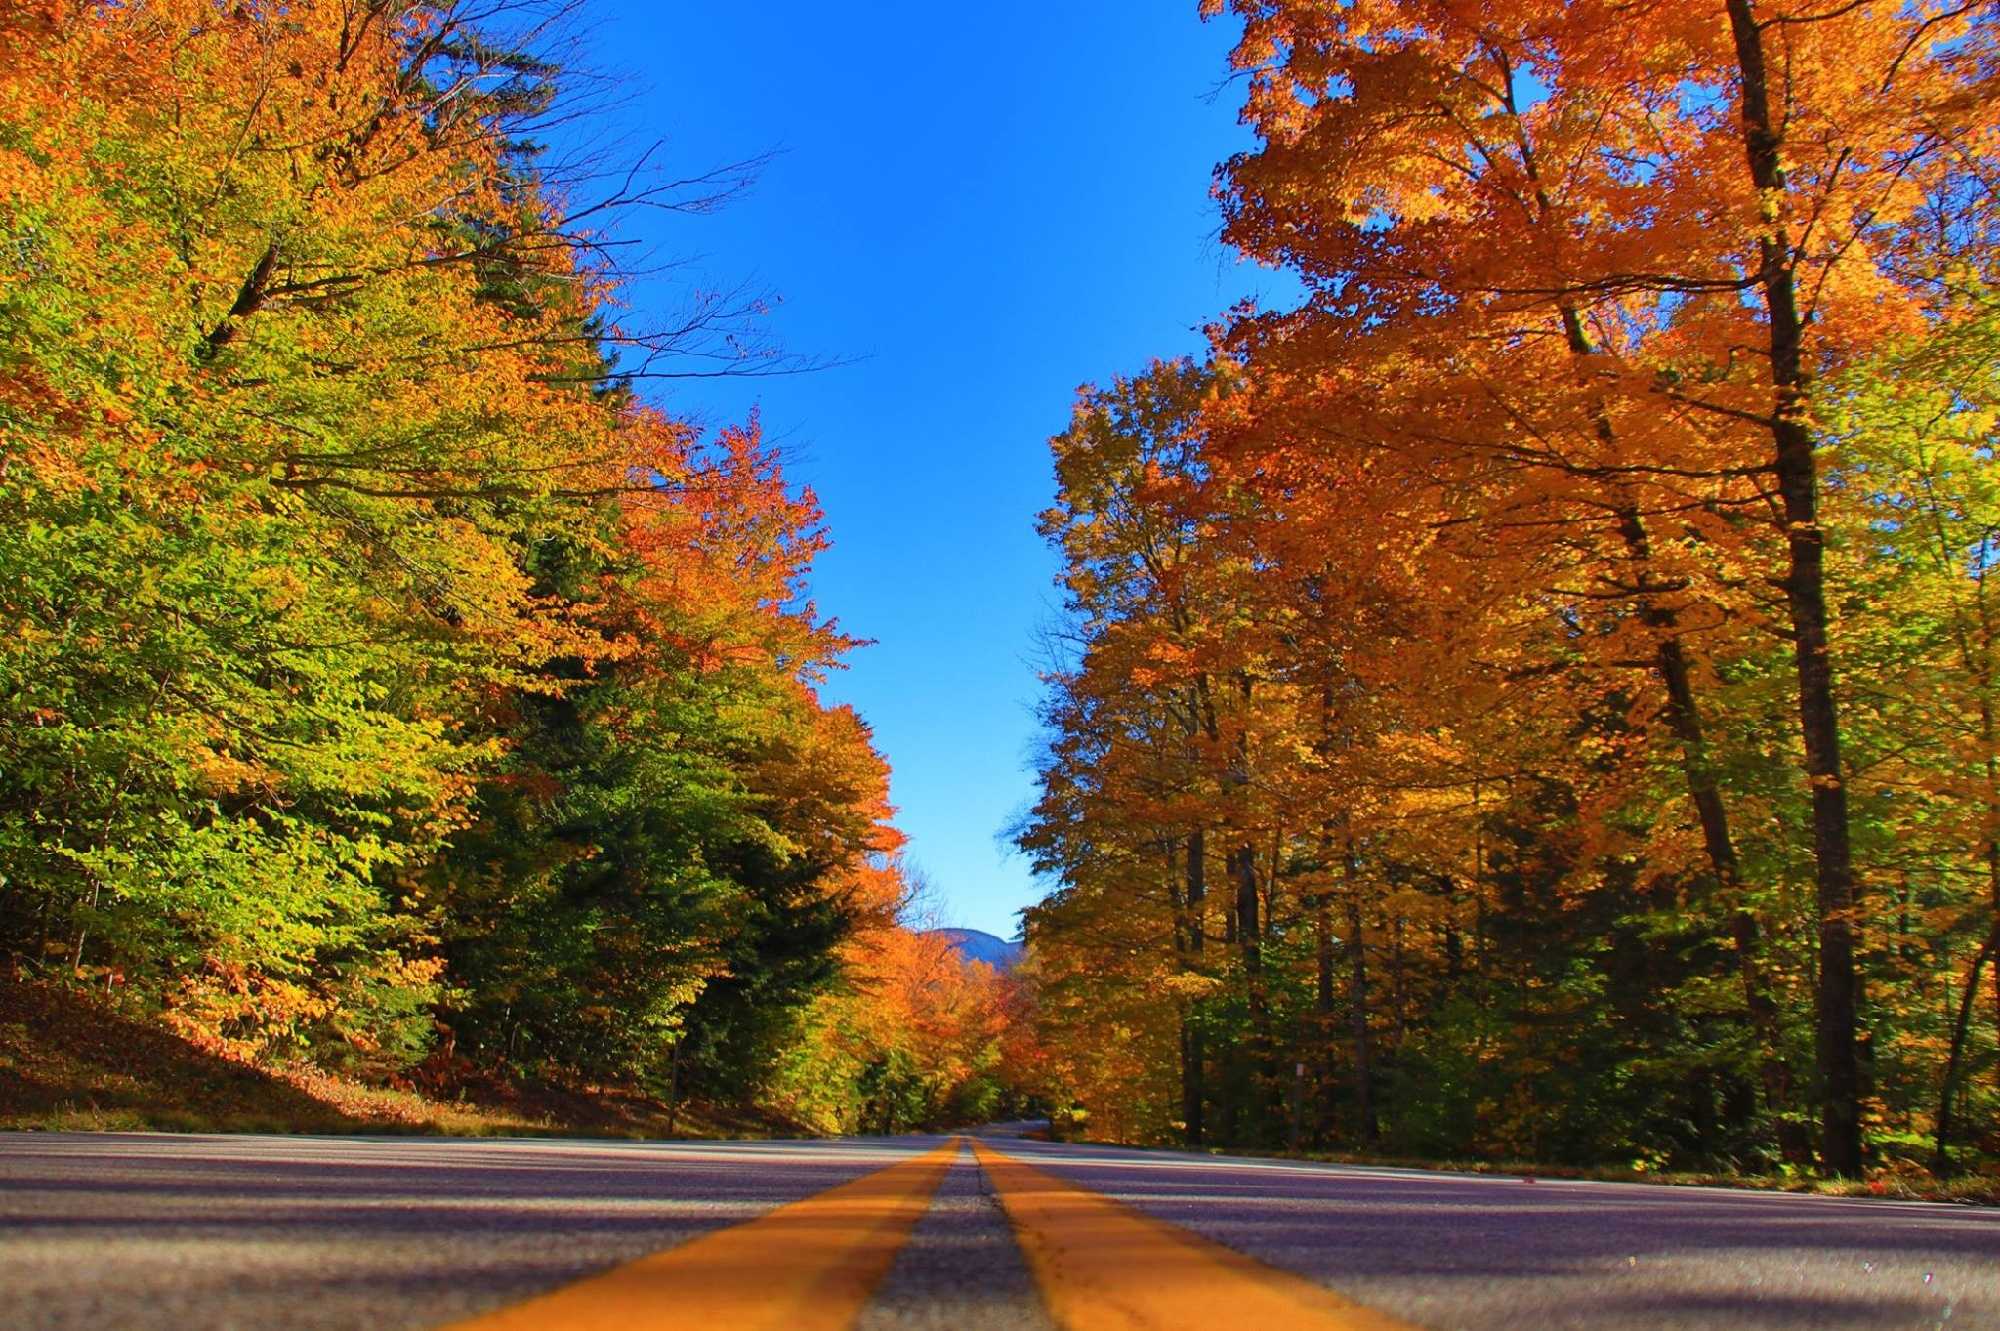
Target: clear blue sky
{"points": [[980, 207]]}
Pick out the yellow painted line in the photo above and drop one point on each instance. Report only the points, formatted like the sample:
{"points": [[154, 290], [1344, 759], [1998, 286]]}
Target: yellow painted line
{"points": [[807, 1266], [1103, 1266]]}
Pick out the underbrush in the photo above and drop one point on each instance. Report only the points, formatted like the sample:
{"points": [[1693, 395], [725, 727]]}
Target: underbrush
{"points": [[69, 1062]]}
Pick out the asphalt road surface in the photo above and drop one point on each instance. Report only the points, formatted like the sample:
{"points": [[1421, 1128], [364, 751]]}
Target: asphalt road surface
{"points": [[192, 1233]]}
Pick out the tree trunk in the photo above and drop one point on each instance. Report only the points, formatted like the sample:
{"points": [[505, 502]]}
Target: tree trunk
{"points": [[1250, 946], [1955, 1064], [1986, 733], [1241, 866], [1357, 1002], [1192, 1052], [673, 1086], [1323, 1012], [1805, 596], [1954, 1068]]}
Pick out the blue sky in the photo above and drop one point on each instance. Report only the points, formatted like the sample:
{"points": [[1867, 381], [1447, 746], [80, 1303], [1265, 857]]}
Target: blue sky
{"points": [[978, 208]]}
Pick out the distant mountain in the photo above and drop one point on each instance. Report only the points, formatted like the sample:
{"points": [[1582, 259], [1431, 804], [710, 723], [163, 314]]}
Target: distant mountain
{"points": [[975, 945]]}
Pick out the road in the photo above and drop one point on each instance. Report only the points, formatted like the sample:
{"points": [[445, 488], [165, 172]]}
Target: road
{"points": [[196, 1233]]}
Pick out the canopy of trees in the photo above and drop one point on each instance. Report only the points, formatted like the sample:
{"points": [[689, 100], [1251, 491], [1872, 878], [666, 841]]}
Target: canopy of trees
{"points": [[1536, 697], [385, 681]]}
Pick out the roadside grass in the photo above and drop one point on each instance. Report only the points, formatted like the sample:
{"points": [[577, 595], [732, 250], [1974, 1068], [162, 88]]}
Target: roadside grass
{"points": [[72, 1063], [1898, 1179]]}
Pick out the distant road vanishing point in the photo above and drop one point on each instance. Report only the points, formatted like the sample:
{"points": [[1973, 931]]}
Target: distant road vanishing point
{"points": [[992, 1230]]}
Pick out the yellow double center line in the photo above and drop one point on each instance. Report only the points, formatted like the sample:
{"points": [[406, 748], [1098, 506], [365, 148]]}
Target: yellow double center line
{"points": [[812, 1266], [1102, 1266], [809, 1266]]}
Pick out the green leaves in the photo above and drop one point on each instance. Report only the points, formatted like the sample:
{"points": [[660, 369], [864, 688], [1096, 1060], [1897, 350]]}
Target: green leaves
{"points": [[364, 671]]}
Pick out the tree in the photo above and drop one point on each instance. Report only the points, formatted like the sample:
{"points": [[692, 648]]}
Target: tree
{"points": [[1566, 167], [382, 667]]}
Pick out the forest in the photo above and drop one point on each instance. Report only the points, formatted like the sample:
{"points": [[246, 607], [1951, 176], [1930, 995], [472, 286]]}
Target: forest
{"points": [[391, 683], [1535, 698], [1530, 697]]}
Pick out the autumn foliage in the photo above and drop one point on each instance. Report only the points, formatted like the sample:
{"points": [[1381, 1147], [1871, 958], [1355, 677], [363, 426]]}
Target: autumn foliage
{"points": [[385, 679], [1534, 697]]}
